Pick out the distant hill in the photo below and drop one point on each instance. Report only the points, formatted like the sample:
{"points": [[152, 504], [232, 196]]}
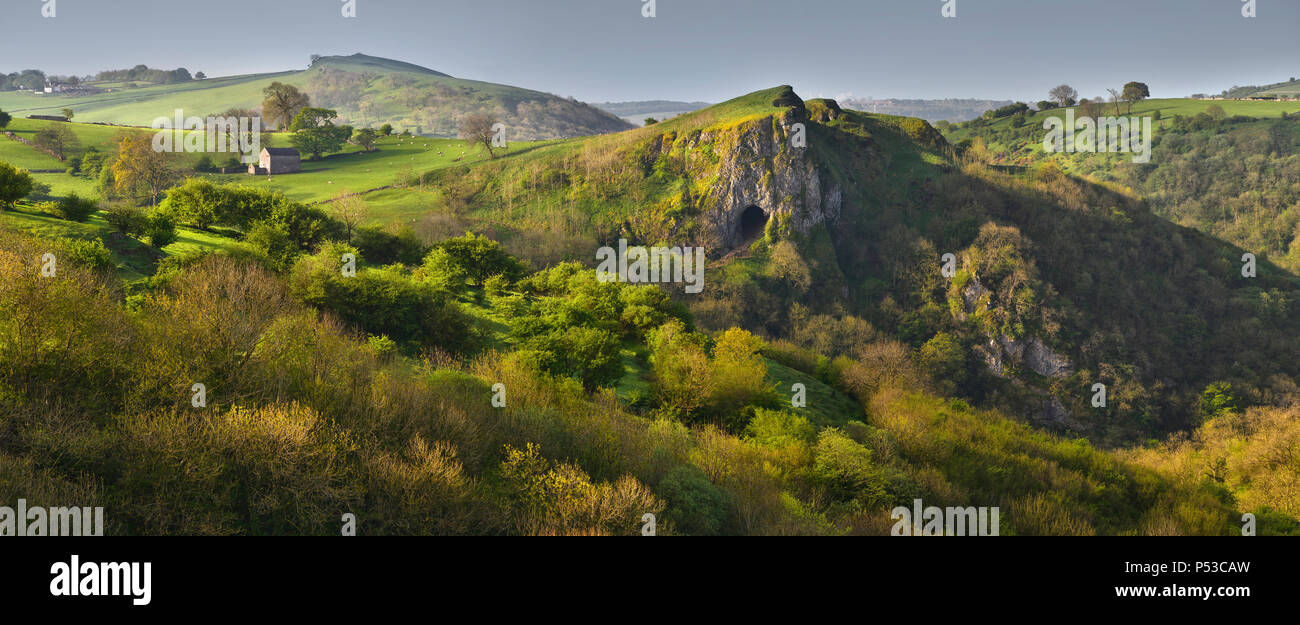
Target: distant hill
{"points": [[1287, 89], [636, 112], [951, 109], [365, 90]]}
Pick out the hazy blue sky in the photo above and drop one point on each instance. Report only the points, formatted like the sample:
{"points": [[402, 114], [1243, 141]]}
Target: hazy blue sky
{"points": [[710, 50]]}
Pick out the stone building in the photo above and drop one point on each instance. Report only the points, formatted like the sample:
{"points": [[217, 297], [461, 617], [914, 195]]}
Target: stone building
{"points": [[277, 161]]}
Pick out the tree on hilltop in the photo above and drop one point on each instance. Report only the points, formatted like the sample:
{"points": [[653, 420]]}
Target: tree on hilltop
{"points": [[1063, 95], [1135, 92]]}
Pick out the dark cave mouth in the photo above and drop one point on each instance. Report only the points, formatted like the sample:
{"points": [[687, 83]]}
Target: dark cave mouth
{"points": [[752, 223]]}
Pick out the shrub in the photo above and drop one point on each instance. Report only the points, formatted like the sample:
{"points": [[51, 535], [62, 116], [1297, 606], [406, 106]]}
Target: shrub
{"points": [[482, 258], [160, 231], [15, 184], [127, 219], [384, 301], [385, 247], [75, 208], [695, 505]]}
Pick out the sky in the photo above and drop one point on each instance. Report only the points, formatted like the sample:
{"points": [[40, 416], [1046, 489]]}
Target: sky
{"points": [[707, 50]]}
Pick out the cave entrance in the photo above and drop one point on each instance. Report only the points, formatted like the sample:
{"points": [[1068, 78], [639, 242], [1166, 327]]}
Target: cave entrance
{"points": [[752, 222]]}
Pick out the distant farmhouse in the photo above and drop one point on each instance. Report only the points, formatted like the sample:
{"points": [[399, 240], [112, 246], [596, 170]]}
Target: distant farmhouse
{"points": [[277, 161]]}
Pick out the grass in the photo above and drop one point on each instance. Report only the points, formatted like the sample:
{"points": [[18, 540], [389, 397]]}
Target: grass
{"points": [[1168, 108]]}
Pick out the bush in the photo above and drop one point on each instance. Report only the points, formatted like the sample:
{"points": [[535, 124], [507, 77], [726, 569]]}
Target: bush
{"points": [[40, 191], [127, 219], [482, 258], [75, 208], [275, 243], [385, 247], [442, 272], [384, 302], [160, 231], [15, 184], [695, 505], [91, 254]]}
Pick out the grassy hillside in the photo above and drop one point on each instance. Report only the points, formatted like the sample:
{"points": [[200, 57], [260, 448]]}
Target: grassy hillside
{"points": [[626, 398], [1234, 176], [367, 92]]}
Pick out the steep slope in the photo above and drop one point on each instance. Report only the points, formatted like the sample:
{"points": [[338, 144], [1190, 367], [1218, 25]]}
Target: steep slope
{"points": [[367, 91], [1060, 283]]}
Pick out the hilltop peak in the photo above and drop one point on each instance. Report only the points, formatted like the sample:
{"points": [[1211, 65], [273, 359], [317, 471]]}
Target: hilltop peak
{"points": [[375, 62]]}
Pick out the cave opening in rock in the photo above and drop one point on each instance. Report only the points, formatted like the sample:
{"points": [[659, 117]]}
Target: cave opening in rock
{"points": [[752, 222]]}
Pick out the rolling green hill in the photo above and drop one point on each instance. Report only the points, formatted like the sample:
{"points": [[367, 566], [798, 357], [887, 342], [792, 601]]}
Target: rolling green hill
{"points": [[367, 91], [824, 270]]}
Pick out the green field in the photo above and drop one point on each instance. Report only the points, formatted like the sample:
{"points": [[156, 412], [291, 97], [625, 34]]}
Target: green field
{"points": [[1167, 107], [366, 91]]}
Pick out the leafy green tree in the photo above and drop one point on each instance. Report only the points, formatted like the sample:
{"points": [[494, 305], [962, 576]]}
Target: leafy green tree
{"points": [[5, 118], [282, 103], [57, 139], [314, 132], [15, 184], [1135, 92], [442, 271], [386, 130], [1218, 400], [482, 257], [365, 137]]}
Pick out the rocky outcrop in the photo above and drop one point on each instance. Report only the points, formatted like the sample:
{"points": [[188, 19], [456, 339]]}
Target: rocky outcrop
{"points": [[759, 167], [1029, 352]]}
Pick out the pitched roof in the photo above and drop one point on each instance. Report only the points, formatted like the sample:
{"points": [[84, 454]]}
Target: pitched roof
{"points": [[280, 151]]}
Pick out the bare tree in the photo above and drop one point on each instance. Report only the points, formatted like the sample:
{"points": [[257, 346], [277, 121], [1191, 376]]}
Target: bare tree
{"points": [[476, 129], [1064, 95], [1115, 99], [351, 210]]}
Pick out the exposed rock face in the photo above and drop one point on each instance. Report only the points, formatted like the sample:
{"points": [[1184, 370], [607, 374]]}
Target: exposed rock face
{"points": [[1003, 352], [760, 168], [1030, 351], [1055, 413]]}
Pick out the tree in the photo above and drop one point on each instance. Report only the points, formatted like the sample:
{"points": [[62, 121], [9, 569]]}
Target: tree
{"points": [[15, 184], [57, 139], [200, 76], [5, 118], [140, 168], [1091, 107], [351, 210], [1064, 95], [314, 132], [282, 103], [365, 138], [476, 129], [68, 114], [1115, 99], [386, 130], [650, 121], [1135, 92]]}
